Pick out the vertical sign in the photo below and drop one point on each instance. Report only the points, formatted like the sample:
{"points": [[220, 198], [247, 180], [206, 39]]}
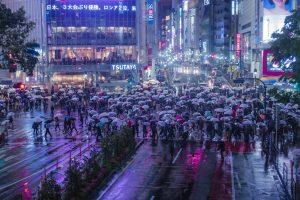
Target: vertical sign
{"points": [[150, 12], [149, 56], [238, 46]]}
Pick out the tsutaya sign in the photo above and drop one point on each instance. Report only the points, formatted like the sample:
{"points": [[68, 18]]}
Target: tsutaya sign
{"points": [[124, 67]]}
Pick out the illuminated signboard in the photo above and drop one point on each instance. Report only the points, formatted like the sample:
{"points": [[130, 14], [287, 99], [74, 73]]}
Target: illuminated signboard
{"points": [[275, 11], [206, 2], [150, 9], [271, 68], [124, 67], [238, 46], [91, 13], [112, 6]]}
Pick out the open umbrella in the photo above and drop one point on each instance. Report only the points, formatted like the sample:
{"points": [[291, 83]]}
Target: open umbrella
{"points": [[112, 114], [145, 107], [103, 115], [244, 105], [247, 122], [219, 110], [104, 120], [213, 119], [38, 119], [10, 114]]}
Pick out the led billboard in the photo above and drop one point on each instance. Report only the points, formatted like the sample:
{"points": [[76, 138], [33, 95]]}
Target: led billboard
{"points": [[91, 13], [275, 12], [271, 68]]}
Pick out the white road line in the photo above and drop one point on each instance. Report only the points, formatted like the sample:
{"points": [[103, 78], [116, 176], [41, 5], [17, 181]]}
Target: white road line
{"points": [[232, 178], [237, 180], [152, 198], [180, 150]]}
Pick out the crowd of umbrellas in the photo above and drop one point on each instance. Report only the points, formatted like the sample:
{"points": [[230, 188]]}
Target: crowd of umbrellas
{"points": [[199, 113]]}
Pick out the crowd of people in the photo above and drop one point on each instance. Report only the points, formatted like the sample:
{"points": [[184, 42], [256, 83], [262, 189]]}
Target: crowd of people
{"points": [[157, 112]]}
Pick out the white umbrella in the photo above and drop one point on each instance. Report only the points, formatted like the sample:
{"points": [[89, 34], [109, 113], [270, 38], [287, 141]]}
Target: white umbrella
{"points": [[171, 111], [58, 115], [95, 116], [38, 119], [247, 122], [145, 107], [95, 98], [244, 105], [213, 119], [219, 110], [93, 112], [196, 114], [10, 114], [161, 123], [282, 122], [103, 115], [104, 120], [228, 112], [5, 122], [112, 114]]}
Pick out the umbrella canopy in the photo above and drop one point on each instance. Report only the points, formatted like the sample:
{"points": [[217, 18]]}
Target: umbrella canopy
{"points": [[112, 114], [219, 110], [104, 115], [145, 107], [213, 119], [228, 112], [247, 122], [244, 105], [38, 119], [104, 120]]}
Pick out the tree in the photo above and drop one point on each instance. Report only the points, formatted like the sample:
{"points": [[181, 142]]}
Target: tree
{"points": [[285, 45], [74, 181], [14, 30], [49, 190]]}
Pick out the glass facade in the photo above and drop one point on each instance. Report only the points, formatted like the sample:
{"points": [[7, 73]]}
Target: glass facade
{"points": [[91, 31]]}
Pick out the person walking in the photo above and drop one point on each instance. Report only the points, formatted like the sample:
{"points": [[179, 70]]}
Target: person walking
{"points": [[47, 130], [56, 120], [221, 148]]}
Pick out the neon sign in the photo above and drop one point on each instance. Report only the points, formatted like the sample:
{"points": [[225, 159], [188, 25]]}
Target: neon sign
{"points": [[124, 67], [150, 12], [238, 46]]}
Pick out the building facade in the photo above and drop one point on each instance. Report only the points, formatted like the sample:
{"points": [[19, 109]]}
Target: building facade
{"points": [[87, 41], [257, 21]]}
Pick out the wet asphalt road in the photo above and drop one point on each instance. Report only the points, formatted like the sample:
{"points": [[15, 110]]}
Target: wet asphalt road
{"points": [[154, 174], [24, 160]]}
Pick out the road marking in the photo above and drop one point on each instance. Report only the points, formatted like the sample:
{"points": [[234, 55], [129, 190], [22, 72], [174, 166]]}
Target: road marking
{"points": [[152, 198], [237, 179], [180, 150], [232, 179], [9, 158]]}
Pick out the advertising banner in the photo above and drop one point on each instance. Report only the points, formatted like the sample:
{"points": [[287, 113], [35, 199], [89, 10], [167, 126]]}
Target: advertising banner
{"points": [[275, 12], [150, 11], [274, 69], [87, 13], [238, 46]]}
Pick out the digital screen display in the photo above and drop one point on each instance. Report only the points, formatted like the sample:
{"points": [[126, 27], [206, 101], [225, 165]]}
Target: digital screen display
{"points": [[271, 68], [275, 12], [91, 13]]}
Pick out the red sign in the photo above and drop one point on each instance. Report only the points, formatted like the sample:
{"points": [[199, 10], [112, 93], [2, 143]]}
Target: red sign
{"points": [[238, 46]]}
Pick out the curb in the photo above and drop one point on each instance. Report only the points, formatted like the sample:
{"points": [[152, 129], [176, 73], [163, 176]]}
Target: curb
{"points": [[114, 177]]}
